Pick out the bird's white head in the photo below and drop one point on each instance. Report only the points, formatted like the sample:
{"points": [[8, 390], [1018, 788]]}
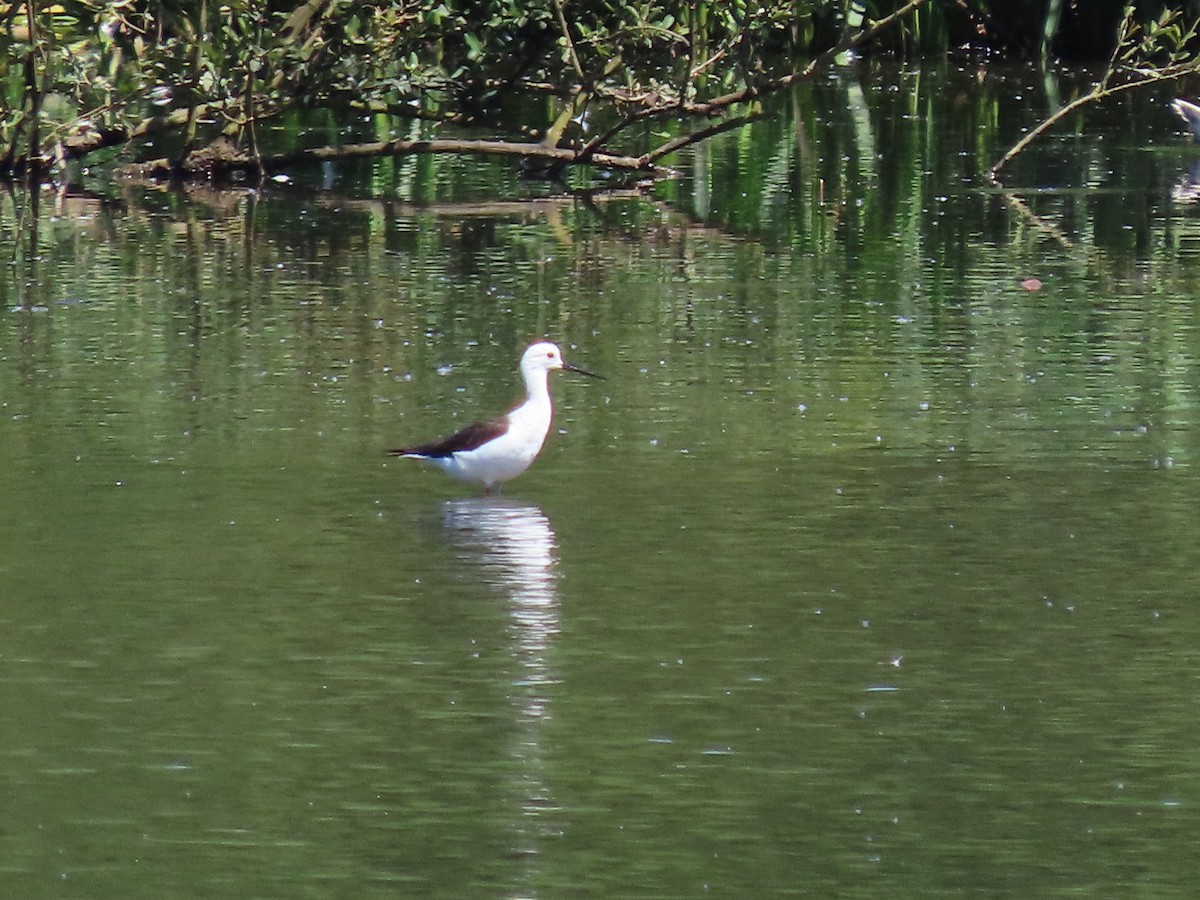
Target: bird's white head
{"points": [[541, 357], [544, 357]]}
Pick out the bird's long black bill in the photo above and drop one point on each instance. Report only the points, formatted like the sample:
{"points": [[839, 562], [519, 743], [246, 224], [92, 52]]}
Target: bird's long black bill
{"points": [[567, 367]]}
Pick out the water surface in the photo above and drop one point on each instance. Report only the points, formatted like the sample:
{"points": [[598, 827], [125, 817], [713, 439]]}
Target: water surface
{"points": [[866, 571]]}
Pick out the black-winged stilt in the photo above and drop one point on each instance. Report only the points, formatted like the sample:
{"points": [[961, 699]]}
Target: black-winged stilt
{"points": [[491, 453]]}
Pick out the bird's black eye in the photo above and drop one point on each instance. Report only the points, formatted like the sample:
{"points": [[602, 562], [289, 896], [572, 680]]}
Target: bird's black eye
{"points": [[550, 355]]}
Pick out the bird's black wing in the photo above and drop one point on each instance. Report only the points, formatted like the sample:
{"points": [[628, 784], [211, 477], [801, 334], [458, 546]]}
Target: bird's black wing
{"points": [[470, 438]]}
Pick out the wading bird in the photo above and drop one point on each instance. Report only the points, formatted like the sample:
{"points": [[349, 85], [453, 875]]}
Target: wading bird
{"points": [[491, 453]]}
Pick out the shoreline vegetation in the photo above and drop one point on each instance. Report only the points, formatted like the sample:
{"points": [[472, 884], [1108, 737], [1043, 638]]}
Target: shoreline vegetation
{"points": [[182, 91]]}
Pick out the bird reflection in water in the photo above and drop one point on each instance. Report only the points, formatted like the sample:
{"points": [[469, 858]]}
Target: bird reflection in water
{"points": [[1187, 189], [514, 546]]}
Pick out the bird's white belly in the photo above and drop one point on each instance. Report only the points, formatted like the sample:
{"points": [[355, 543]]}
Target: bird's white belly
{"points": [[495, 462]]}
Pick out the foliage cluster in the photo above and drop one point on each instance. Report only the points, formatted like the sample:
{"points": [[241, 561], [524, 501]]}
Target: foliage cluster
{"points": [[85, 75]]}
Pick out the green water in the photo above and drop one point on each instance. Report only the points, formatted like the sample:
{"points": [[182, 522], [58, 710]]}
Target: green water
{"points": [[864, 573]]}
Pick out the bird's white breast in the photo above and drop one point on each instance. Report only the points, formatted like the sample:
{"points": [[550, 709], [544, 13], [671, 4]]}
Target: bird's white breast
{"points": [[508, 455]]}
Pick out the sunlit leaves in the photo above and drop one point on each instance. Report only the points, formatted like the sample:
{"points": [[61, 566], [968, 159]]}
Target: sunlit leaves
{"points": [[1161, 41], [121, 61]]}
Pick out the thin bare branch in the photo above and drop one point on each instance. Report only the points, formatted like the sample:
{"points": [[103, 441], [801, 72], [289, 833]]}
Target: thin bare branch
{"points": [[686, 140], [566, 32], [1097, 94]]}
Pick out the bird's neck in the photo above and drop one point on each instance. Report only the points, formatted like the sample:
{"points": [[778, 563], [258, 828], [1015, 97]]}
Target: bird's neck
{"points": [[537, 387], [537, 397]]}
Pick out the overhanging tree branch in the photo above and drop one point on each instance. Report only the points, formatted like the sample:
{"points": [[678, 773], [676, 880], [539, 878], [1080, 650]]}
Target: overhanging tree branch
{"points": [[752, 93], [422, 59], [1134, 42], [226, 161]]}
